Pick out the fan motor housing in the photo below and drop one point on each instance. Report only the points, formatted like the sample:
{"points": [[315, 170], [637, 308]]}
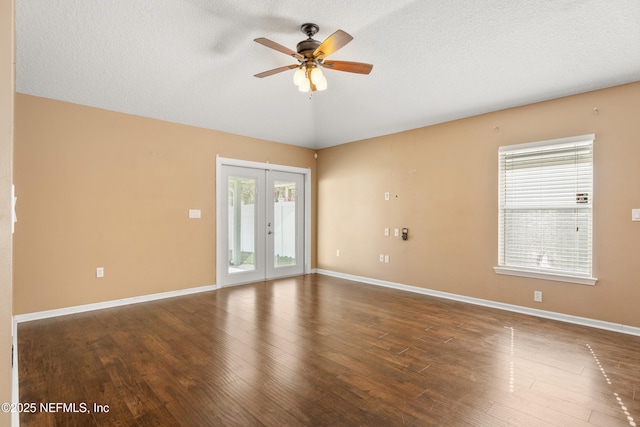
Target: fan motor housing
{"points": [[307, 47]]}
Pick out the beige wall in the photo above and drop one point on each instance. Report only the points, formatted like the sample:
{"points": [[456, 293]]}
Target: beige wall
{"points": [[443, 185], [104, 189], [7, 90]]}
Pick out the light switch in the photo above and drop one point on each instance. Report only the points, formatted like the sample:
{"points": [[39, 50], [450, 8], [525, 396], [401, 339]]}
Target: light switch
{"points": [[194, 213], [635, 214]]}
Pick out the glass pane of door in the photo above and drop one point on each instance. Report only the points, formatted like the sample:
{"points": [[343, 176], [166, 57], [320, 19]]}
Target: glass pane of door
{"points": [[284, 223], [243, 214]]}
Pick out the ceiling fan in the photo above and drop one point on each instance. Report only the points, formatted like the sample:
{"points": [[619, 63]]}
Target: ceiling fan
{"points": [[311, 56]]}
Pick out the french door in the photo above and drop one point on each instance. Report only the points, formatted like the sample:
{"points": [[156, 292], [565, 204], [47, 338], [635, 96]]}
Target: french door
{"points": [[261, 216]]}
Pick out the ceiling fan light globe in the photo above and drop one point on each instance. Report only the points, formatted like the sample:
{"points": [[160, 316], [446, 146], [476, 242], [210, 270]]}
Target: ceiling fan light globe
{"points": [[322, 84], [305, 86], [298, 77], [316, 75]]}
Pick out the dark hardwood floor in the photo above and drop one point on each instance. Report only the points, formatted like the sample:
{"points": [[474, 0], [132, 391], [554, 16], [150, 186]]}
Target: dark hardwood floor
{"points": [[321, 351]]}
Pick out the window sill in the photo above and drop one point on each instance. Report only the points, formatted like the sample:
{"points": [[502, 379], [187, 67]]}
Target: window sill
{"points": [[534, 274]]}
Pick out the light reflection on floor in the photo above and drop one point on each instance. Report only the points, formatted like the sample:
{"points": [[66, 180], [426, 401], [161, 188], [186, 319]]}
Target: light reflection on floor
{"points": [[511, 361], [512, 375], [623, 407]]}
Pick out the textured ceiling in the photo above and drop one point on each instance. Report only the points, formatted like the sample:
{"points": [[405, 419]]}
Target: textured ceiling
{"points": [[193, 61]]}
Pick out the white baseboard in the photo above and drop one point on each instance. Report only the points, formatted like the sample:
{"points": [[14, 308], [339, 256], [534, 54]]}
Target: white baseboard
{"points": [[18, 318], [584, 321]]}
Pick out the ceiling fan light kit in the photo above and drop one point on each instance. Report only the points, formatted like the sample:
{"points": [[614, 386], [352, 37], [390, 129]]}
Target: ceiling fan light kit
{"points": [[311, 56]]}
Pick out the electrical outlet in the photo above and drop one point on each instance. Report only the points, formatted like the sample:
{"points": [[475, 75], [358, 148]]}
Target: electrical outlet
{"points": [[386, 259], [537, 296], [100, 272]]}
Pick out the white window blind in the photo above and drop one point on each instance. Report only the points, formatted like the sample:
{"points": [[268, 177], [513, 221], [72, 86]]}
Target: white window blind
{"points": [[545, 204]]}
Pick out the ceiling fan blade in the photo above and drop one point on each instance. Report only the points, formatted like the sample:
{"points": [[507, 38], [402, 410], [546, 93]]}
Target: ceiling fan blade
{"points": [[276, 71], [350, 67], [278, 47], [334, 42]]}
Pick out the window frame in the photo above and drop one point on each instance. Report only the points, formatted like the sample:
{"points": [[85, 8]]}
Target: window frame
{"points": [[541, 273]]}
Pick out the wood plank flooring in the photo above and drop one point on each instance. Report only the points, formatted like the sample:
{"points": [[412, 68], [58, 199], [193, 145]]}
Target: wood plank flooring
{"points": [[321, 351]]}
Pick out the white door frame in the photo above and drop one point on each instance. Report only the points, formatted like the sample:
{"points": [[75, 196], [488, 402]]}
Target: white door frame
{"points": [[221, 201]]}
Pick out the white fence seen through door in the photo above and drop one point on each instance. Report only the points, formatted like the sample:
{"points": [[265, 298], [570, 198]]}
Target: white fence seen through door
{"points": [[284, 231]]}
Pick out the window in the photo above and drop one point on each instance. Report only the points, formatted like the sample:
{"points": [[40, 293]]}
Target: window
{"points": [[545, 209]]}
